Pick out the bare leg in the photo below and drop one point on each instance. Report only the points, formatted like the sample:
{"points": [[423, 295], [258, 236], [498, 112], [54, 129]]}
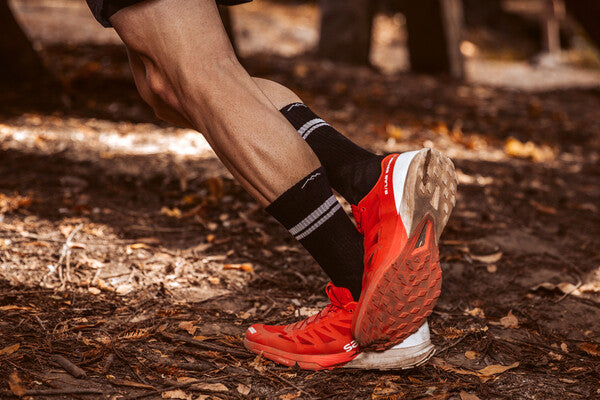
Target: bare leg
{"points": [[278, 94], [185, 68]]}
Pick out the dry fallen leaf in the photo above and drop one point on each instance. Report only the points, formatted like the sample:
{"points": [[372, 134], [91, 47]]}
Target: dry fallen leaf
{"points": [[188, 326], [467, 396], [290, 396], [176, 394], [13, 203], [9, 349], [586, 291], [510, 321], [171, 212], [496, 369], [471, 355], [213, 387], [94, 290], [394, 131], [483, 374], [241, 267], [16, 385], [387, 390], [591, 349], [488, 258], [542, 208], [555, 356], [13, 307], [475, 312], [138, 246], [124, 289], [257, 363], [449, 333], [516, 148], [243, 389]]}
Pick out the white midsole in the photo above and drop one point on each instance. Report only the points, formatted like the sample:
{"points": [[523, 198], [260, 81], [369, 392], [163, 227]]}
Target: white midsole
{"points": [[414, 350], [398, 180]]}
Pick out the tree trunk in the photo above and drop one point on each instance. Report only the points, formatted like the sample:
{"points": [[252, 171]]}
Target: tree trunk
{"points": [[587, 13], [226, 19], [346, 27], [434, 34], [21, 66]]}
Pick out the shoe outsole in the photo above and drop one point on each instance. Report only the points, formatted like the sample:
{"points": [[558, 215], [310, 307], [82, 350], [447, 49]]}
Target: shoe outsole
{"points": [[402, 295], [313, 362], [393, 359]]}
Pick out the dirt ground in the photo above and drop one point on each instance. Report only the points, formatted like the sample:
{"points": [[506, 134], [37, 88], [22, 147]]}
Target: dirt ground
{"points": [[126, 248]]}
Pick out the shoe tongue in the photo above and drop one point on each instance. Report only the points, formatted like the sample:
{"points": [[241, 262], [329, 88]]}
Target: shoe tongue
{"points": [[338, 296]]}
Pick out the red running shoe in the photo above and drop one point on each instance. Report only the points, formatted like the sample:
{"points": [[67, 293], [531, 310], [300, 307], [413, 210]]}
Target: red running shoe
{"points": [[321, 341], [402, 218]]}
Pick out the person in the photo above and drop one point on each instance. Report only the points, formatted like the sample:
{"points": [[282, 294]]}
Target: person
{"points": [[385, 275]]}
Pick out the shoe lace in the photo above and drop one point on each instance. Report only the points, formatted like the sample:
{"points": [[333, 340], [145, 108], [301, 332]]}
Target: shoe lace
{"points": [[334, 306]]}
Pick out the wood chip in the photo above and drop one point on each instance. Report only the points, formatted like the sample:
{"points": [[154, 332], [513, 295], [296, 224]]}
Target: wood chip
{"points": [[8, 350]]}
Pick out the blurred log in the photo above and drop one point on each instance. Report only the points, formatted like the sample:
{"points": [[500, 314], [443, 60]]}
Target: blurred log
{"points": [[587, 13], [434, 35], [346, 27]]}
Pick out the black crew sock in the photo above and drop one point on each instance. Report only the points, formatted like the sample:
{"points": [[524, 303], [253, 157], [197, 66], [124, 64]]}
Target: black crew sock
{"points": [[312, 214], [352, 170]]}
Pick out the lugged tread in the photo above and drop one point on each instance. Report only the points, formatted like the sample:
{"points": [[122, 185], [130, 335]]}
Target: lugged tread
{"points": [[418, 275]]}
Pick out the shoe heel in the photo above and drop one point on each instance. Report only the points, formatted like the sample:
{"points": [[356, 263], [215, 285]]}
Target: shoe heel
{"points": [[429, 188], [415, 350]]}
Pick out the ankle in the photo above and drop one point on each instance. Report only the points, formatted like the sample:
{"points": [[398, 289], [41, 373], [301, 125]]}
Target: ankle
{"points": [[354, 181]]}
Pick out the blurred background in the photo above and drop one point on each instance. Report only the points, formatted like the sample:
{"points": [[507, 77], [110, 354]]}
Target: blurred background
{"points": [[528, 44], [119, 220]]}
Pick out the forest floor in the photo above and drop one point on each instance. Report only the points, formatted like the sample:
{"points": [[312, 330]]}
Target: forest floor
{"points": [[126, 247]]}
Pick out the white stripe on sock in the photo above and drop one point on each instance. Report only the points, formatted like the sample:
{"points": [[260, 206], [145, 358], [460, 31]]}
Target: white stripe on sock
{"points": [[313, 216], [320, 222], [308, 132], [308, 125]]}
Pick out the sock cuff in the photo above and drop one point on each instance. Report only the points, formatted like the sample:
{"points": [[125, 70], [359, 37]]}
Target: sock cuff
{"points": [[317, 206], [301, 117]]}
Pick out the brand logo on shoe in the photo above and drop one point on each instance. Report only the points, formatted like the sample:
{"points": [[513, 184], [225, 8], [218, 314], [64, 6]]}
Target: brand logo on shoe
{"points": [[252, 330], [386, 177], [351, 346]]}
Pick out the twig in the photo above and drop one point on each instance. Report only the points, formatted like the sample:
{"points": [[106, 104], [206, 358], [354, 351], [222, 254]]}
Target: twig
{"points": [[107, 363], [207, 346], [69, 366], [65, 253], [310, 396], [56, 392], [564, 296], [451, 345], [159, 391]]}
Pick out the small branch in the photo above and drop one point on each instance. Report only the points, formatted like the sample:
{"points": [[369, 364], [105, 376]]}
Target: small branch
{"points": [[158, 391], [207, 346], [55, 392], [65, 253], [69, 366], [107, 363], [290, 384]]}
